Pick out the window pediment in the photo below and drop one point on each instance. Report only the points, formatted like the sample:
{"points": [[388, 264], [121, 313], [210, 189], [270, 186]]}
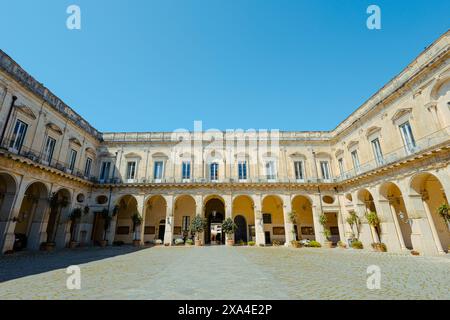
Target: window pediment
{"points": [[353, 144], [132, 155], [26, 111], [372, 130], [159, 155], [339, 152], [297, 155], [75, 141], [54, 128], [401, 113]]}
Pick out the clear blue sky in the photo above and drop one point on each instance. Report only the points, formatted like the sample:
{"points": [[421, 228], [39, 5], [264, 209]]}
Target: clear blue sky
{"points": [[159, 65]]}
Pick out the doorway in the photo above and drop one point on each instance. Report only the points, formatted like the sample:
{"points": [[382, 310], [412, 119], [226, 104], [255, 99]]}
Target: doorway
{"points": [[241, 231]]}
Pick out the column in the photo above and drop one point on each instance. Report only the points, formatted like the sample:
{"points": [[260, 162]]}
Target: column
{"points": [[259, 223], [228, 212], [288, 225], [141, 208], [316, 212], [38, 228], [62, 226], [422, 236], [168, 233], [199, 211]]}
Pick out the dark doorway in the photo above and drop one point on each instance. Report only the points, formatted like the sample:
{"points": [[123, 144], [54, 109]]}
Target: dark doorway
{"points": [[161, 230], [241, 231], [267, 237], [214, 214]]}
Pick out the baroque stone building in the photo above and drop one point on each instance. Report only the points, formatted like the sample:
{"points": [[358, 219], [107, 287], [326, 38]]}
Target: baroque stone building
{"points": [[389, 157]]}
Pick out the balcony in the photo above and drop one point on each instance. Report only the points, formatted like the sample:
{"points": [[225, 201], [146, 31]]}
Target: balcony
{"points": [[40, 158]]}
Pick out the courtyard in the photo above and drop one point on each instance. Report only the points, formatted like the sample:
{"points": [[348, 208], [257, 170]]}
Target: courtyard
{"points": [[220, 272]]}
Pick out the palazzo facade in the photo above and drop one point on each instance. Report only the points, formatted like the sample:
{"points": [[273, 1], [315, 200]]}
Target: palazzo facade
{"points": [[390, 157]]}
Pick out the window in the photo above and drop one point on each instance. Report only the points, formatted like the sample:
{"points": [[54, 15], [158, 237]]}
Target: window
{"points": [[19, 132], [186, 223], [72, 159], [87, 167], [324, 167], [131, 170], [298, 167], [267, 218], [377, 151], [214, 171], [355, 160], [242, 170], [408, 137], [158, 170], [270, 170], [186, 170], [341, 166], [104, 170], [48, 150]]}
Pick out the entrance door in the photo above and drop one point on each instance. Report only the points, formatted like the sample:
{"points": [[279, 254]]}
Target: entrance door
{"points": [[267, 237], [241, 231], [161, 231], [98, 228]]}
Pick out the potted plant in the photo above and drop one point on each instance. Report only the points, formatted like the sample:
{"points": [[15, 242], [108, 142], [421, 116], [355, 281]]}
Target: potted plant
{"points": [[189, 242], [341, 244], [106, 223], [75, 215], [374, 222], [356, 244], [295, 244], [353, 220], [314, 244], [197, 226], [179, 242], [136, 218], [444, 212], [327, 234], [379, 247], [229, 227]]}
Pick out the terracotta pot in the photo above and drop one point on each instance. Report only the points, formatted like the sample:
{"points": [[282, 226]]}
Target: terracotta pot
{"points": [[327, 244], [136, 243], [49, 246], [198, 243], [230, 242], [73, 244], [103, 243]]}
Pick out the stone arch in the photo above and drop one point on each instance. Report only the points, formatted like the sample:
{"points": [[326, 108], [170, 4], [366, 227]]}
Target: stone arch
{"points": [[57, 217], [432, 193], [243, 206], [302, 205], [31, 215], [8, 190], [391, 193], [214, 208], [275, 230], [155, 218], [126, 207], [184, 211]]}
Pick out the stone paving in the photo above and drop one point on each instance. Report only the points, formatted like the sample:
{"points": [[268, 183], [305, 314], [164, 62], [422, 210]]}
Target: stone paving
{"points": [[220, 272]]}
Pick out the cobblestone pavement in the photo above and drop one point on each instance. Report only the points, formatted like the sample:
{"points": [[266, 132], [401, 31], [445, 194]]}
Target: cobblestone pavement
{"points": [[222, 273]]}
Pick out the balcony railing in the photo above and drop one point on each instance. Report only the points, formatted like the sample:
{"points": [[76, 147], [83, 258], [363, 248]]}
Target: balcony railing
{"points": [[434, 139], [41, 158]]}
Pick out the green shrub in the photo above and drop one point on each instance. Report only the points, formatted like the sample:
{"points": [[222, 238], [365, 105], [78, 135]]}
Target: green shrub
{"points": [[189, 242], [372, 218], [314, 244], [341, 244], [251, 243], [228, 226], [356, 244], [179, 242]]}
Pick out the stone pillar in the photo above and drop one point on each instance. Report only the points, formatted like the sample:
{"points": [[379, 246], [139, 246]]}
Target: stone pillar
{"points": [[199, 211], [422, 236], [228, 212], [316, 212], [7, 209], [288, 225], [434, 232], [9, 225], [365, 232], [168, 234], [391, 233], [259, 223], [388, 231], [38, 229], [62, 226], [141, 209]]}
